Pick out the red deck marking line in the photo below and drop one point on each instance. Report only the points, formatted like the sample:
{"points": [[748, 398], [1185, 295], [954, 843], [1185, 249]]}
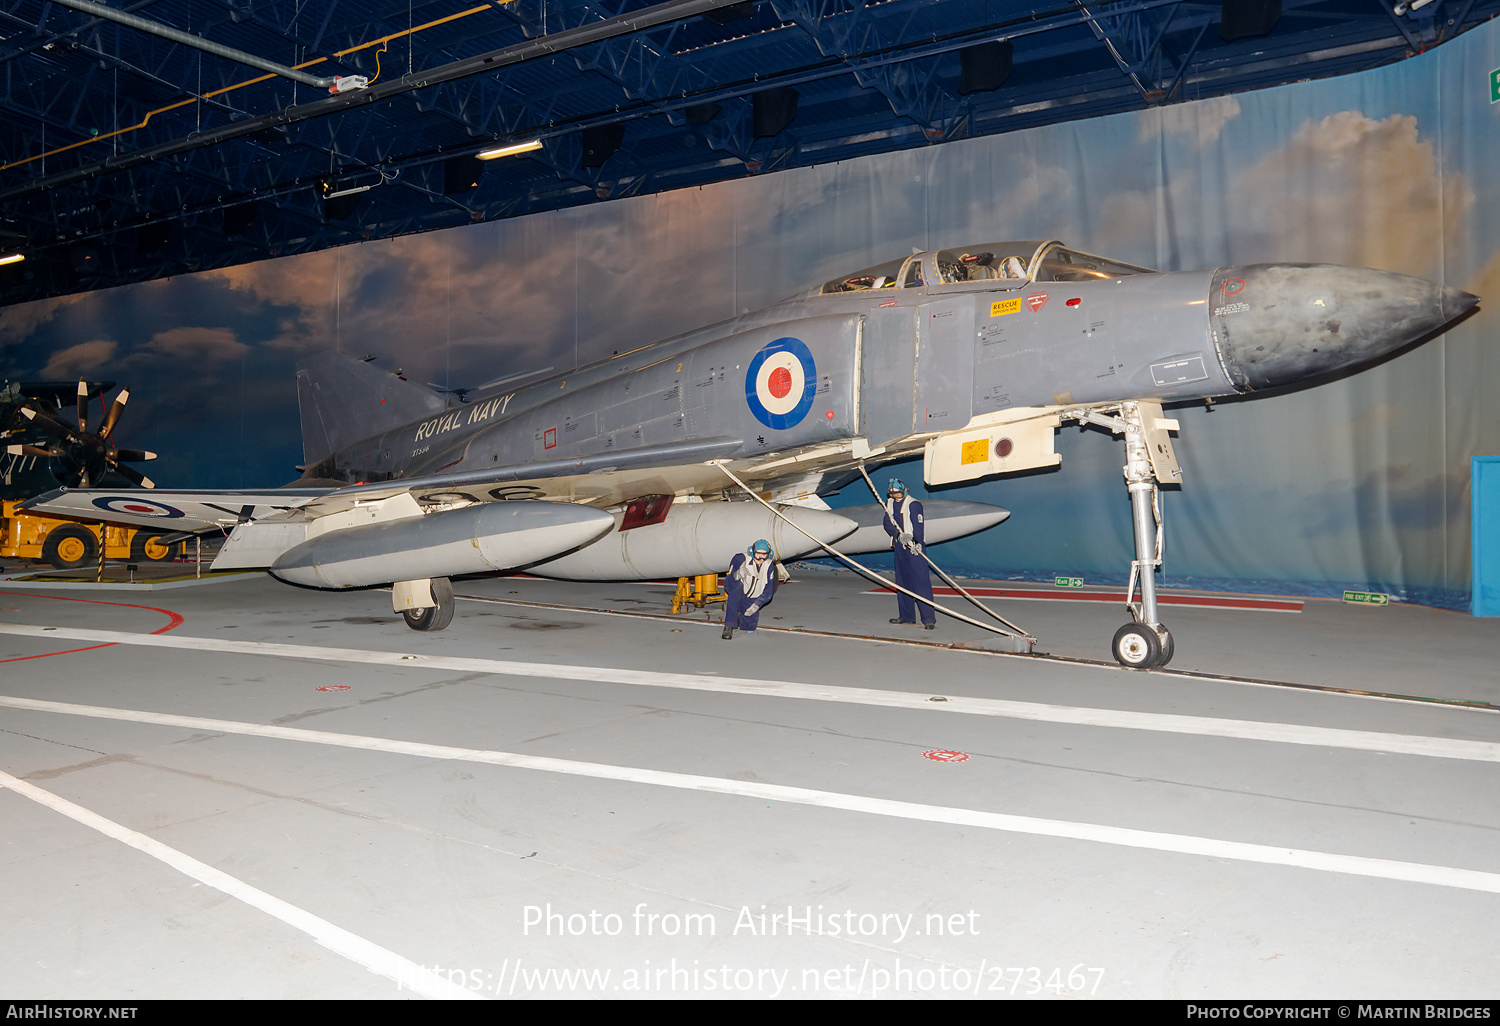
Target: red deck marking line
{"points": [[1205, 601], [174, 621]]}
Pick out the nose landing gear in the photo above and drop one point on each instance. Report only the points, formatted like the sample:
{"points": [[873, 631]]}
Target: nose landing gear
{"points": [[1145, 642]]}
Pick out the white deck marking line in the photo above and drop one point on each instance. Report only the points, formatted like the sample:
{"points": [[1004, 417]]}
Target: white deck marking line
{"points": [[1170, 723], [1185, 844], [368, 954]]}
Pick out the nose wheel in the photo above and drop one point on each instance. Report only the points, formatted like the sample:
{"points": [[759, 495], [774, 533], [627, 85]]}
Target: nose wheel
{"points": [[1141, 647]]}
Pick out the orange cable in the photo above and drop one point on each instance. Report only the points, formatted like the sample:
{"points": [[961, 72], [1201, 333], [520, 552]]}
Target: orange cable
{"points": [[252, 81]]}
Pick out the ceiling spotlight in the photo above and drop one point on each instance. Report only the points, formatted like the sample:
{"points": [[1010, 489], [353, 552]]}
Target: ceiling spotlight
{"points": [[12, 258], [510, 149]]}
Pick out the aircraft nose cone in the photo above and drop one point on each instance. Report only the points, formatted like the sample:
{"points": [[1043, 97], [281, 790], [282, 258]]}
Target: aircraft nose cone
{"points": [[1457, 302], [1277, 324]]}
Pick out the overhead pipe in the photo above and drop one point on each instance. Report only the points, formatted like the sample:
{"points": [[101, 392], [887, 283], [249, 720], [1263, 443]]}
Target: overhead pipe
{"points": [[156, 28]]}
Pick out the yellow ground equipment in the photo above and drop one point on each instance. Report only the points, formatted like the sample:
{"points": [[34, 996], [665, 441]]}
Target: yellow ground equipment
{"points": [[68, 545], [697, 591]]}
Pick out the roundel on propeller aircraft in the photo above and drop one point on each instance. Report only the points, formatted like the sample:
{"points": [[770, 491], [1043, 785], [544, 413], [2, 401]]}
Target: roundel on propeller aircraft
{"points": [[138, 507], [780, 383]]}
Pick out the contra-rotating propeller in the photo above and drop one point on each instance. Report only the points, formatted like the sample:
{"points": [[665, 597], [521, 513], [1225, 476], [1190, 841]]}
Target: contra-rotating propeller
{"points": [[85, 456]]}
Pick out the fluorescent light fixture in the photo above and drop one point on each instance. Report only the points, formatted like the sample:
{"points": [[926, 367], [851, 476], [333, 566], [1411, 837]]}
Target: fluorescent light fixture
{"points": [[348, 191], [12, 258], [509, 150]]}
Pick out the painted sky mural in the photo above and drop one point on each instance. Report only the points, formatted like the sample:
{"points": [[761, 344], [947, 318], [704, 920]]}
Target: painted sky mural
{"points": [[1363, 482]]}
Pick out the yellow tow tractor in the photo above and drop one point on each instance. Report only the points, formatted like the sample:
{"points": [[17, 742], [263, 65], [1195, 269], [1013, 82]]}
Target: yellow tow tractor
{"points": [[68, 545]]}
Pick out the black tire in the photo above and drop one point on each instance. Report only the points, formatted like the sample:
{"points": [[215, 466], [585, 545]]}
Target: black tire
{"points": [[144, 548], [1136, 646], [433, 618], [69, 547], [1168, 646]]}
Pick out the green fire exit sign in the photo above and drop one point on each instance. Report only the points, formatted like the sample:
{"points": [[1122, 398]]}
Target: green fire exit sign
{"points": [[1495, 86]]}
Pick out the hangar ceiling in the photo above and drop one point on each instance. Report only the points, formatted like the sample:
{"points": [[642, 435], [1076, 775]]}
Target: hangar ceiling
{"points": [[127, 156]]}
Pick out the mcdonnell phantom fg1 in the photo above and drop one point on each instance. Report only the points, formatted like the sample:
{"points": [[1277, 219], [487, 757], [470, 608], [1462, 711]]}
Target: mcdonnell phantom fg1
{"points": [[632, 468]]}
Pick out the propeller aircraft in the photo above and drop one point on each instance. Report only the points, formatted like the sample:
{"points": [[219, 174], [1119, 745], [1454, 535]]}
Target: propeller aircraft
{"points": [[36, 426], [638, 467]]}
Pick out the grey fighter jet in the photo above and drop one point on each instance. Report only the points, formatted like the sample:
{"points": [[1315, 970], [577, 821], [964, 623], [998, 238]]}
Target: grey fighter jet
{"points": [[661, 461]]}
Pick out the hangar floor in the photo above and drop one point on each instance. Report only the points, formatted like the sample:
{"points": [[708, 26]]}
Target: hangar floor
{"points": [[286, 794]]}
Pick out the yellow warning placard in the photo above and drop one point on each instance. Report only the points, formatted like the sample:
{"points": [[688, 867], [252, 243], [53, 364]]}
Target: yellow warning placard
{"points": [[1004, 306], [977, 451]]}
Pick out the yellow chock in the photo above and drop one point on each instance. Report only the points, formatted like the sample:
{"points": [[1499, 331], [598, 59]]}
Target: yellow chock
{"points": [[697, 591]]}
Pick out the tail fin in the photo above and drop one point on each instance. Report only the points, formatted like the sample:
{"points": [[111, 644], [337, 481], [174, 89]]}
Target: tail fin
{"points": [[343, 400]]}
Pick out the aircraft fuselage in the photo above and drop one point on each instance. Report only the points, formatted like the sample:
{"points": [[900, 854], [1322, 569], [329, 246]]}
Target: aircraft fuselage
{"points": [[893, 364]]}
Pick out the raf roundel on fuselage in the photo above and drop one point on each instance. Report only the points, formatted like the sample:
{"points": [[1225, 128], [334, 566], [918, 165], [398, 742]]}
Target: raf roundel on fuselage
{"points": [[780, 383]]}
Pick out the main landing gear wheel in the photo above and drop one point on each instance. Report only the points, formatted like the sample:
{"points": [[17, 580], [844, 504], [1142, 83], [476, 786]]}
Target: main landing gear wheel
{"points": [[1141, 648], [433, 618]]}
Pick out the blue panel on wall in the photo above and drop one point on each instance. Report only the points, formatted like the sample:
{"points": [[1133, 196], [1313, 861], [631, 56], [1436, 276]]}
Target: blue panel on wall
{"points": [[1485, 486]]}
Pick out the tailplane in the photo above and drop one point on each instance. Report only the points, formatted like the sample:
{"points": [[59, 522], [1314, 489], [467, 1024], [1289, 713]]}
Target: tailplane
{"points": [[344, 400]]}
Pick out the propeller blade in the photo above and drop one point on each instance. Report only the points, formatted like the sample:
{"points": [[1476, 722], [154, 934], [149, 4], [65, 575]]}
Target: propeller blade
{"points": [[83, 406], [47, 421], [31, 450], [114, 413], [134, 475], [132, 455]]}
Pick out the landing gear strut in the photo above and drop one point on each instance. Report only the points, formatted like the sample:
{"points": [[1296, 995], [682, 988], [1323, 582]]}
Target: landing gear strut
{"points": [[1145, 642]]}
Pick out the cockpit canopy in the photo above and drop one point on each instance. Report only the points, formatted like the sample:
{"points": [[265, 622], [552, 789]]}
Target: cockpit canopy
{"points": [[997, 262]]}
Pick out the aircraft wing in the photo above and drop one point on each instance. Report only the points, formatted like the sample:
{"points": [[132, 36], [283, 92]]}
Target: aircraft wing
{"points": [[186, 511], [603, 477], [600, 478]]}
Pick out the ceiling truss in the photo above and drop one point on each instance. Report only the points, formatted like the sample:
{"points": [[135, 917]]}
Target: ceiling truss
{"points": [[125, 156]]}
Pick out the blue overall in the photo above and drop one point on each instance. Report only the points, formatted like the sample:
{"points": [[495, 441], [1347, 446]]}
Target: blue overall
{"points": [[911, 567], [735, 616]]}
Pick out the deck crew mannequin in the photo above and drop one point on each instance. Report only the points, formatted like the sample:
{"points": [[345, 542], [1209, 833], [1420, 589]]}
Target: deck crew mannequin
{"points": [[903, 522], [750, 585]]}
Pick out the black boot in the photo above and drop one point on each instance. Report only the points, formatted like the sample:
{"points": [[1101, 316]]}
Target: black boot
{"points": [[728, 632]]}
